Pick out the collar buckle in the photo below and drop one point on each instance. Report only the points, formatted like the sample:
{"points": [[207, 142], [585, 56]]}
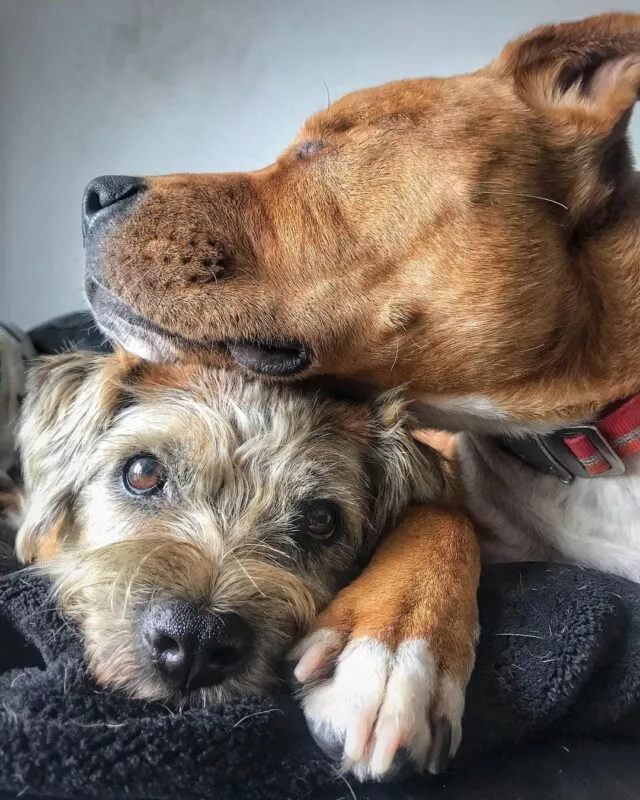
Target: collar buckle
{"points": [[551, 455], [593, 434], [553, 466]]}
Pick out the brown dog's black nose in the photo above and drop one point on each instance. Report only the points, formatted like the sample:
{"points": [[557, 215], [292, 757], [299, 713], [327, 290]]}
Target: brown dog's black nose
{"points": [[109, 197], [192, 649]]}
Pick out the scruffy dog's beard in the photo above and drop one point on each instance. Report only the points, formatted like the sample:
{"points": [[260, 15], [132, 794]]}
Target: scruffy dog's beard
{"points": [[108, 590]]}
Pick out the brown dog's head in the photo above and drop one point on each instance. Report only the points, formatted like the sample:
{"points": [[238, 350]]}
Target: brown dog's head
{"points": [[425, 232]]}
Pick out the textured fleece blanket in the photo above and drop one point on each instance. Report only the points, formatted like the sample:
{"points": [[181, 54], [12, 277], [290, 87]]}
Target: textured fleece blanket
{"points": [[559, 654]]}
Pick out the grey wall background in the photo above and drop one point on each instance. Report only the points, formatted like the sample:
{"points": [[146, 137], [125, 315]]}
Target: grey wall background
{"points": [[142, 86]]}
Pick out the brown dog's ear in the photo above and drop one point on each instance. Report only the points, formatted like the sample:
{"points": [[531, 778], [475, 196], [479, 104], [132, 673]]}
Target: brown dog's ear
{"points": [[71, 399], [587, 72], [584, 77], [404, 471]]}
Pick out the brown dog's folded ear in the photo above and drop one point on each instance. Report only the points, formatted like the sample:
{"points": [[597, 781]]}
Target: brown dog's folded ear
{"points": [[70, 400], [584, 77], [587, 71], [405, 470]]}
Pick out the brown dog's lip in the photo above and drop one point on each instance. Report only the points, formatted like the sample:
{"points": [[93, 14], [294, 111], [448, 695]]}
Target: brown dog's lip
{"points": [[276, 358], [120, 323], [271, 357]]}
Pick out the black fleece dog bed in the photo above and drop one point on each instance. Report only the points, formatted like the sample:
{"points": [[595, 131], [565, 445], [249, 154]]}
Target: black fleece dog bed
{"points": [[559, 656]]}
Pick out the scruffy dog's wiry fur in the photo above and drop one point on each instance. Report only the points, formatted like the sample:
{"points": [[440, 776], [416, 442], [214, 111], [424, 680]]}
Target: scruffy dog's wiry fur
{"points": [[242, 459]]}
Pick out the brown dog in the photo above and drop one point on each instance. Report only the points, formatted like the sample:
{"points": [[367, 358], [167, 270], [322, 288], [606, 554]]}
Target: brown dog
{"points": [[474, 239]]}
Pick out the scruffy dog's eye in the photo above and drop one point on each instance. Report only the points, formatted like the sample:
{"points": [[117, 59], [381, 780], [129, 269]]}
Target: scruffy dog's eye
{"points": [[143, 475], [320, 519]]}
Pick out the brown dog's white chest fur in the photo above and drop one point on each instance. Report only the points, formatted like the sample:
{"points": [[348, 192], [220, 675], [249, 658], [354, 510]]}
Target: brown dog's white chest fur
{"points": [[523, 515]]}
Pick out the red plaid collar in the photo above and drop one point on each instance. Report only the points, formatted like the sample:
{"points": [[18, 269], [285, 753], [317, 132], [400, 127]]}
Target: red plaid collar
{"points": [[584, 451]]}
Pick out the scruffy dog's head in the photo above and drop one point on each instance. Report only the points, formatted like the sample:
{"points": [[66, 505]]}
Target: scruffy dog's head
{"points": [[194, 521]]}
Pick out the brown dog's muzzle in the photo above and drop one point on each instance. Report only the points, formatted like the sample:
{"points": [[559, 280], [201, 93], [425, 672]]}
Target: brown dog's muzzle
{"points": [[106, 204], [107, 201]]}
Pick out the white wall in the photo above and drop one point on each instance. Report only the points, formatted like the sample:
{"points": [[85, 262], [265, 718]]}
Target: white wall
{"points": [[142, 86]]}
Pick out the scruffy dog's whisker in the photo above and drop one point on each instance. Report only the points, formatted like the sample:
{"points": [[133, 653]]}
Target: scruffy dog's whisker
{"points": [[194, 521]]}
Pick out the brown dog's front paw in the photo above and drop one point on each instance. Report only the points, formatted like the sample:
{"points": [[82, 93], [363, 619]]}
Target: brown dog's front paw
{"points": [[382, 706], [384, 674]]}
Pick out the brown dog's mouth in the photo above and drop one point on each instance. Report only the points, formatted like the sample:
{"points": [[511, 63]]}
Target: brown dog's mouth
{"points": [[275, 358]]}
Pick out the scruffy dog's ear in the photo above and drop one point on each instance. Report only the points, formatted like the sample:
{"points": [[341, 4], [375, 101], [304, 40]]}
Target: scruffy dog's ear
{"points": [[405, 471], [582, 79], [71, 399]]}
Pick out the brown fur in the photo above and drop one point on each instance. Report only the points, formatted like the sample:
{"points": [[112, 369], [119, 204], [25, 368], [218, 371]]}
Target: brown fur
{"points": [[49, 545], [411, 576], [461, 237]]}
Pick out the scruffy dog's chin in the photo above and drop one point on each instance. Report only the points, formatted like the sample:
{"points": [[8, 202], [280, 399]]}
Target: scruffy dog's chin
{"points": [[255, 683]]}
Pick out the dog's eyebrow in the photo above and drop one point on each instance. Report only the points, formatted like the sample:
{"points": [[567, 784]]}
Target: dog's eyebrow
{"points": [[337, 124], [325, 123]]}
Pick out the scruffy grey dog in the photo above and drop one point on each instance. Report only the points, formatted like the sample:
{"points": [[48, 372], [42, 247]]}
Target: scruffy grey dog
{"points": [[194, 521]]}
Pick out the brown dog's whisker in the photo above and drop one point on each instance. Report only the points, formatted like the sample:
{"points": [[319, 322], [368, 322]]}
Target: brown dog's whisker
{"points": [[530, 196], [324, 83], [168, 282]]}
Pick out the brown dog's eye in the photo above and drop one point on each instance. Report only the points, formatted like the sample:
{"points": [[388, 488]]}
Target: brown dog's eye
{"points": [[143, 475], [320, 519], [309, 148]]}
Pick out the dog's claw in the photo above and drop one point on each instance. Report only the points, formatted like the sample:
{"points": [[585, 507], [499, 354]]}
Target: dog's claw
{"points": [[330, 744], [401, 768], [440, 750], [376, 734]]}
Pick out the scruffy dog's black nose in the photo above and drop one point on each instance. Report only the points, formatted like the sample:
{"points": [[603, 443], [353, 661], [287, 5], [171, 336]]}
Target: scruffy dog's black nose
{"points": [[192, 649], [108, 197]]}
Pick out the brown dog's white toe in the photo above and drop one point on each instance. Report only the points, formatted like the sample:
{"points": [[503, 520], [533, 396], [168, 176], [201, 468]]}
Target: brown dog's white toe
{"points": [[380, 702], [384, 675]]}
